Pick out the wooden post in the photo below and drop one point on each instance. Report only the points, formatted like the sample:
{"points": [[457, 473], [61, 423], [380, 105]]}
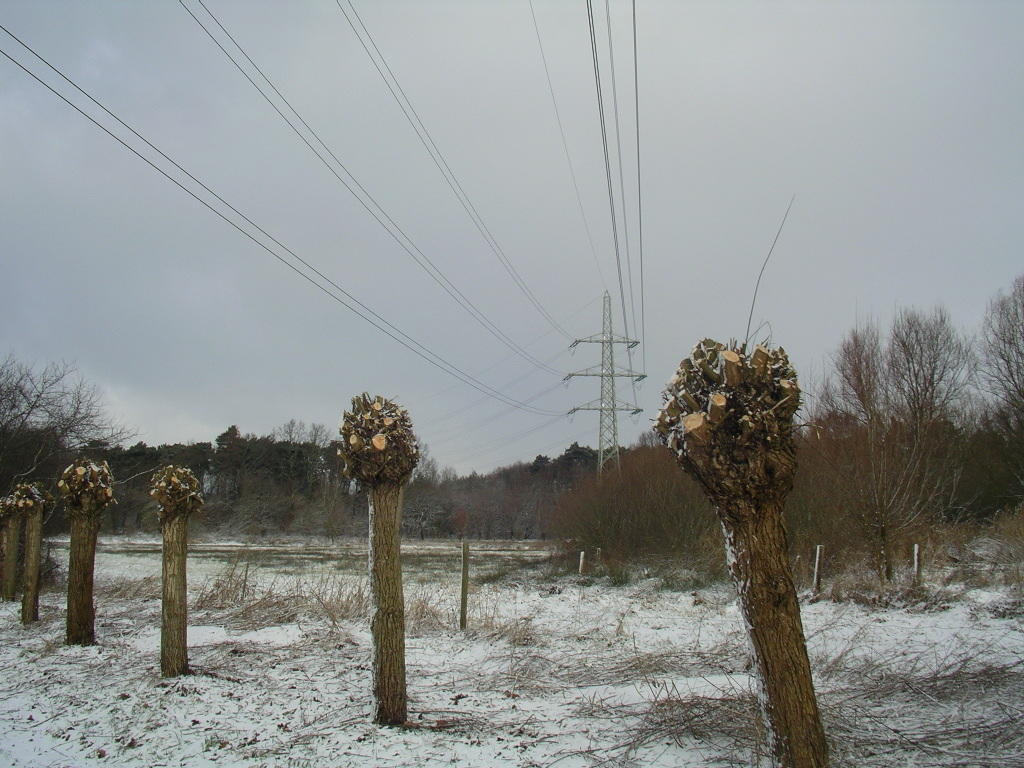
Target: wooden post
{"points": [[816, 588], [917, 565], [583, 561], [464, 591]]}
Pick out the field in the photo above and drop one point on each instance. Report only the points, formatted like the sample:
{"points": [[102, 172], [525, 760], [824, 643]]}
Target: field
{"points": [[555, 669]]}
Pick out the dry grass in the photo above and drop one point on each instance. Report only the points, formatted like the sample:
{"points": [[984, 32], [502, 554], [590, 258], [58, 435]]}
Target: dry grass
{"points": [[938, 707], [958, 710], [240, 601], [425, 611], [124, 588]]}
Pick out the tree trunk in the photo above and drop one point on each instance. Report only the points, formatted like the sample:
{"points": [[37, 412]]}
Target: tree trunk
{"points": [[387, 618], [174, 618], [12, 539], [745, 459], [81, 613], [756, 549], [33, 549]]}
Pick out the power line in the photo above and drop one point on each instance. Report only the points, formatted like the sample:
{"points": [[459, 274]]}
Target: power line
{"points": [[380, 215], [639, 196], [608, 177], [463, 408], [446, 438], [565, 146], [540, 449], [501, 442], [406, 105], [607, 162], [618, 154], [374, 319], [530, 343]]}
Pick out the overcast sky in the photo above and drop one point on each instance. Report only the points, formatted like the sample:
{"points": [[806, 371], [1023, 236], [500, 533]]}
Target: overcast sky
{"points": [[898, 126]]}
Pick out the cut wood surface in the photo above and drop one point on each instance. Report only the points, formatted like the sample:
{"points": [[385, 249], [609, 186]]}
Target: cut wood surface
{"points": [[716, 407], [696, 427], [738, 444], [732, 367]]}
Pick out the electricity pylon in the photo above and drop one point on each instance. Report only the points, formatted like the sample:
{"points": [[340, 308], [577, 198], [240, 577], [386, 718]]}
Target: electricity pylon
{"points": [[607, 405]]}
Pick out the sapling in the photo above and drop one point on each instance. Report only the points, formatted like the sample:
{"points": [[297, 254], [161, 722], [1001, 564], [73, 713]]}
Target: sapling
{"points": [[379, 450], [177, 492], [87, 489], [728, 418]]}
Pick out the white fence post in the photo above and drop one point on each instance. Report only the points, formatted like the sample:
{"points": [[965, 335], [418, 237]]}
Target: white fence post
{"points": [[817, 568]]}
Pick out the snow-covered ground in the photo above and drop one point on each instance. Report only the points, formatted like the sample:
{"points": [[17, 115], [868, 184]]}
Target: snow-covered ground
{"points": [[553, 670]]}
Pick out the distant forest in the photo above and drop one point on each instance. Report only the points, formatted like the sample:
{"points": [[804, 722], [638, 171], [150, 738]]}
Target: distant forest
{"points": [[916, 432], [289, 482]]}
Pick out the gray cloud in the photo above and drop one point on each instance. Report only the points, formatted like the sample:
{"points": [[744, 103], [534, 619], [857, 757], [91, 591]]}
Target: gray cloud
{"points": [[897, 126]]}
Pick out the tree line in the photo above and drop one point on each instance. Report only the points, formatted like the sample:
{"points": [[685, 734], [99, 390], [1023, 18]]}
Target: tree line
{"points": [[916, 429], [914, 426], [285, 482]]}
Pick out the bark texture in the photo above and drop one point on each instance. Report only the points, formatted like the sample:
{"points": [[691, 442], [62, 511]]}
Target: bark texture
{"points": [[12, 541], [387, 620], [729, 420], [33, 556], [81, 612], [174, 613], [176, 490], [87, 488], [759, 565], [378, 448]]}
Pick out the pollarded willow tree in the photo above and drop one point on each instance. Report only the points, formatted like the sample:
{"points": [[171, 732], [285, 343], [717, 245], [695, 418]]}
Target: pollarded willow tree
{"points": [[87, 488], [380, 450], [177, 492], [31, 502], [729, 420], [10, 520]]}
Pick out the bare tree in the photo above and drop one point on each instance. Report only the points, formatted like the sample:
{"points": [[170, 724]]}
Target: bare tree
{"points": [[891, 420], [87, 489], [729, 421], [1002, 373], [380, 451], [177, 492], [44, 414]]}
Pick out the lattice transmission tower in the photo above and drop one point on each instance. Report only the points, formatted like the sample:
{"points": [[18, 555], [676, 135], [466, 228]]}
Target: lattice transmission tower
{"points": [[607, 405]]}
